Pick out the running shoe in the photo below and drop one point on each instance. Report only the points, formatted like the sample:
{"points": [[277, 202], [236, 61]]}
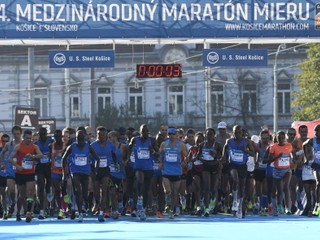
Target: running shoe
{"points": [[107, 214], [128, 209], [18, 217], [100, 218], [134, 213], [80, 217], [61, 214], [177, 212], [170, 214], [263, 212], [315, 210], [73, 215], [42, 215], [239, 213], [294, 209], [212, 205], [5, 216], [206, 212], [142, 215], [159, 214], [234, 206], [28, 217], [115, 215], [270, 209], [183, 203], [199, 212], [287, 211], [11, 209], [281, 210], [274, 211]]}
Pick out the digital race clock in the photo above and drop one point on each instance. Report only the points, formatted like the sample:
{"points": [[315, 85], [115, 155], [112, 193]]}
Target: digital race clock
{"points": [[159, 70]]}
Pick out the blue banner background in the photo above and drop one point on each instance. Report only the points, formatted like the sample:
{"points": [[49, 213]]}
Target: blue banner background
{"points": [[235, 57], [159, 18], [81, 58]]}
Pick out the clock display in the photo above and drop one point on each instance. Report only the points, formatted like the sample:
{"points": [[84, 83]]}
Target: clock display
{"points": [[159, 71]]}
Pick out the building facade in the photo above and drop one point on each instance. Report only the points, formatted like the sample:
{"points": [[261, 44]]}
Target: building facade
{"points": [[91, 96]]}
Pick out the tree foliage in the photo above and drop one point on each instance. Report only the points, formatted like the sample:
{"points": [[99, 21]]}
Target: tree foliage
{"points": [[115, 116], [307, 100]]}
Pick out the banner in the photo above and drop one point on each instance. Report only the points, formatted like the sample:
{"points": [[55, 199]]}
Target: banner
{"points": [[159, 19], [234, 57], [81, 58]]}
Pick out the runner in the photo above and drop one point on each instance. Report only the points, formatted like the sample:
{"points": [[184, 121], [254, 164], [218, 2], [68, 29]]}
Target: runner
{"points": [[236, 152], [55, 155], [145, 146], [105, 150], [315, 144], [309, 180], [9, 168], [221, 138], [210, 153], [296, 184], [43, 171], [170, 152], [281, 154], [118, 175], [80, 168], [197, 168], [259, 174], [3, 180], [26, 153]]}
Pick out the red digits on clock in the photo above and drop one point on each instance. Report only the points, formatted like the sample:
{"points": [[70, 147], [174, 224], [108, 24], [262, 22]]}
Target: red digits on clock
{"points": [[177, 70], [141, 71]]}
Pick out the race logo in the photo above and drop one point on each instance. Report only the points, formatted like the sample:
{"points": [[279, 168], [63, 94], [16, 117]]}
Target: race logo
{"points": [[59, 59], [317, 16], [212, 57]]}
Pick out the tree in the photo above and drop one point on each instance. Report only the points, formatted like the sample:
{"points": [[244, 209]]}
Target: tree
{"points": [[113, 117], [307, 101]]}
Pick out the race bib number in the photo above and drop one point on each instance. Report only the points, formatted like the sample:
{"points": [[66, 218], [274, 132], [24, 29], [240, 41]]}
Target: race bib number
{"points": [[197, 163], [307, 171], [27, 163], [44, 159], [58, 162], [80, 161], [207, 156], [284, 161], [171, 157], [143, 154], [113, 168], [103, 162], [237, 157]]}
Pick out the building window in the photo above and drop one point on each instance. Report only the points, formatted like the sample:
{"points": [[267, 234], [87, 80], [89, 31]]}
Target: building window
{"points": [[284, 98], [249, 96], [74, 104], [41, 101], [175, 100], [135, 101], [104, 98], [217, 101]]}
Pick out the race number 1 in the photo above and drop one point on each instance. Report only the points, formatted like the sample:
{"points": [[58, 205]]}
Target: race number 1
{"points": [[3, 16]]}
